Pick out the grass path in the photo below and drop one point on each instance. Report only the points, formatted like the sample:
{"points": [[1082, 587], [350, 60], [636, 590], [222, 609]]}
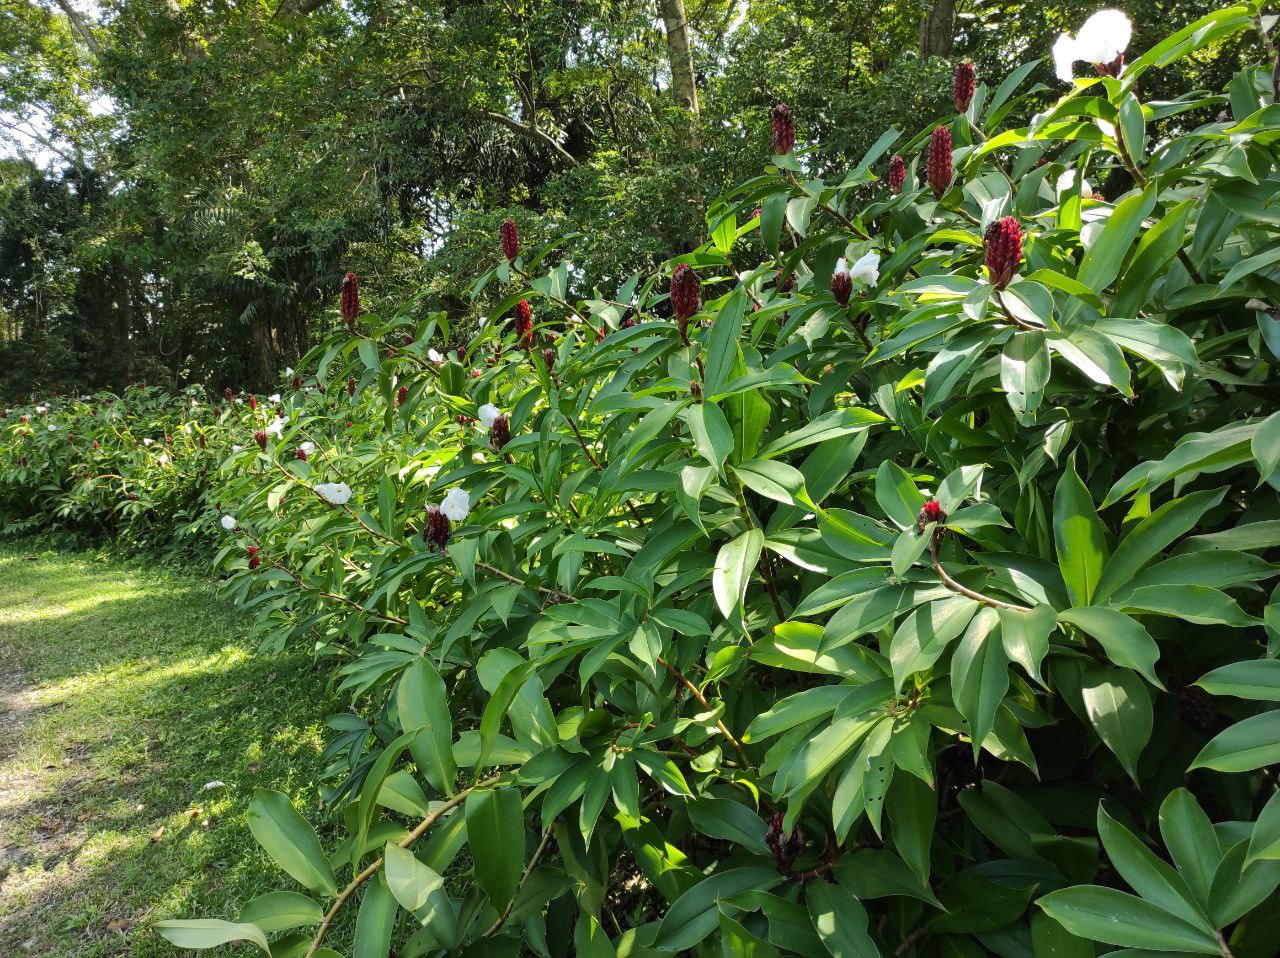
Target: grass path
{"points": [[123, 692]]}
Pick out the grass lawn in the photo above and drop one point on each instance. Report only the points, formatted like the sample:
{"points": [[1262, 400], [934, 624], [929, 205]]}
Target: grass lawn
{"points": [[125, 692]]}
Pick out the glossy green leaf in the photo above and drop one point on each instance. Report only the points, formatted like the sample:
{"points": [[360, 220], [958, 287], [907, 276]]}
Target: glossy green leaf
{"points": [[290, 841]]}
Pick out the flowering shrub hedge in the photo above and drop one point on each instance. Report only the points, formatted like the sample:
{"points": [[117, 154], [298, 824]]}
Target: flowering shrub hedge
{"points": [[777, 605]]}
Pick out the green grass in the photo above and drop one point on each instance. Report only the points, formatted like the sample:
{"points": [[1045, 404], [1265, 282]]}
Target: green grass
{"points": [[123, 691]]}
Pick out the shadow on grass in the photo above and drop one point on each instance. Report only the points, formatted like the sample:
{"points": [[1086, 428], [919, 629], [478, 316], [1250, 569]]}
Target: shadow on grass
{"points": [[140, 691]]}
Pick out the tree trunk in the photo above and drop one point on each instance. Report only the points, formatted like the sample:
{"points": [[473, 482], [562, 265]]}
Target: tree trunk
{"points": [[938, 29], [683, 85]]}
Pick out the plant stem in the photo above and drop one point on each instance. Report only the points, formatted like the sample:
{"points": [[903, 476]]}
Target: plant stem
{"points": [[524, 877], [955, 586], [702, 700], [373, 867]]}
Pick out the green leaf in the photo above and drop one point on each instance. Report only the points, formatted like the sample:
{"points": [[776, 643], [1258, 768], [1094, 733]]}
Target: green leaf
{"points": [[1125, 641], [913, 812], [711, 434], [1264, 843], [694, 915], [280, 911], [1118, 705], [1113, 917], [1133, 127], [721, 343], [729, 821], [203, 933], [1024, 373], [1151, 877], [376, 919], [1266, 447], [1079, 536], [408, 880], [1026, 636], [979, 676], [1152, 535], [290, 841], [1191, 840], [773, 479], [839, 919], [495, 832], [897, 495], [924, 635], [737, 942], [590, 940], [1245, 746], [1102, 261], [423, 703], [734, 564]]}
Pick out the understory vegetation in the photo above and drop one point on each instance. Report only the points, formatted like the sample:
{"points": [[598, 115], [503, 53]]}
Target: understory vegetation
{"points": [[890, 574]]}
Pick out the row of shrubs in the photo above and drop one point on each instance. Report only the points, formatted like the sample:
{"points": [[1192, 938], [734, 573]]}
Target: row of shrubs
{"points": [[890, 575]]}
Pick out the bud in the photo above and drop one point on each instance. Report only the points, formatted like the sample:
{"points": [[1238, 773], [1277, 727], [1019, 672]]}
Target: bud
{"points": [[897, 174], [499, 433], [784, 129], [549, 357], [401, 395], [297, 383], [406, 340], [300, 455], [524, 323], [254, 560], [437, 530], [784, 283], [260, 437], [1003, 242], [686, 295], [227, 392], [350, 301], [600, 334], [351, 387], [462, 353], [962, 89], [465, 421], [96, 444], [841, 283], [253, 403], [510, 239], [940, 169], [695, 389], [204, 441], [932, 512]]}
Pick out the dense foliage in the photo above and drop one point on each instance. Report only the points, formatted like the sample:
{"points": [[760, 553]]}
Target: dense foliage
{"points": [[889, 574], [182, 183]]}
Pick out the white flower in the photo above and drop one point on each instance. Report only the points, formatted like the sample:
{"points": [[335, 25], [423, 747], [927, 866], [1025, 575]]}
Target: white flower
{"points": [[489, 412], [1101, 41], [1068, 180], [276, 427], [239, 401], [148, 441], [337, 493], [273, 398], [163, 460], [53, 427], [236, 448], [308, 447], [186, 427], [867, 268], [228, 522], [288, 371], [434, 356], [456, 504], [42, 409], [842, 266]]}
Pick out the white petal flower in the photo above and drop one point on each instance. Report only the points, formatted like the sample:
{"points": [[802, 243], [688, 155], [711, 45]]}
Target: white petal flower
{"points": [[276, 427], [288, 371], [53, 427], [308, 447], [163, 459], [273, 398], [337, 493], [148, 441], [1068, 180], [239, 401], [842, 266], [487, 414], [236, 448], [867, 268], [228, 522], [434, 356], [456, 504], [1101, 41], [42, 409]]}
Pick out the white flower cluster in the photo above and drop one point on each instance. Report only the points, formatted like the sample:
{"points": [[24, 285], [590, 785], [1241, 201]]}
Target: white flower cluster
{"points": [[335, 493], [1101, 41], [228, 522]]}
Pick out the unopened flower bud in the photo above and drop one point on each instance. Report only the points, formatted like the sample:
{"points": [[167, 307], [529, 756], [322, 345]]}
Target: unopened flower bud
{"points": [[227, 392], [437, 529], [784, 129], [351, 387], [260, 437], [253, 403], [350, 306], [784, 283], [300, 454], [841, 283], [1003, 242], [686, 295], [297, 383], [510, 239], [524, 323], [940, 169], [897, 174], [406, 340], [962, 89], [401, 395], [549, 357], [499, 433], [932, 512], [695, 389]]}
